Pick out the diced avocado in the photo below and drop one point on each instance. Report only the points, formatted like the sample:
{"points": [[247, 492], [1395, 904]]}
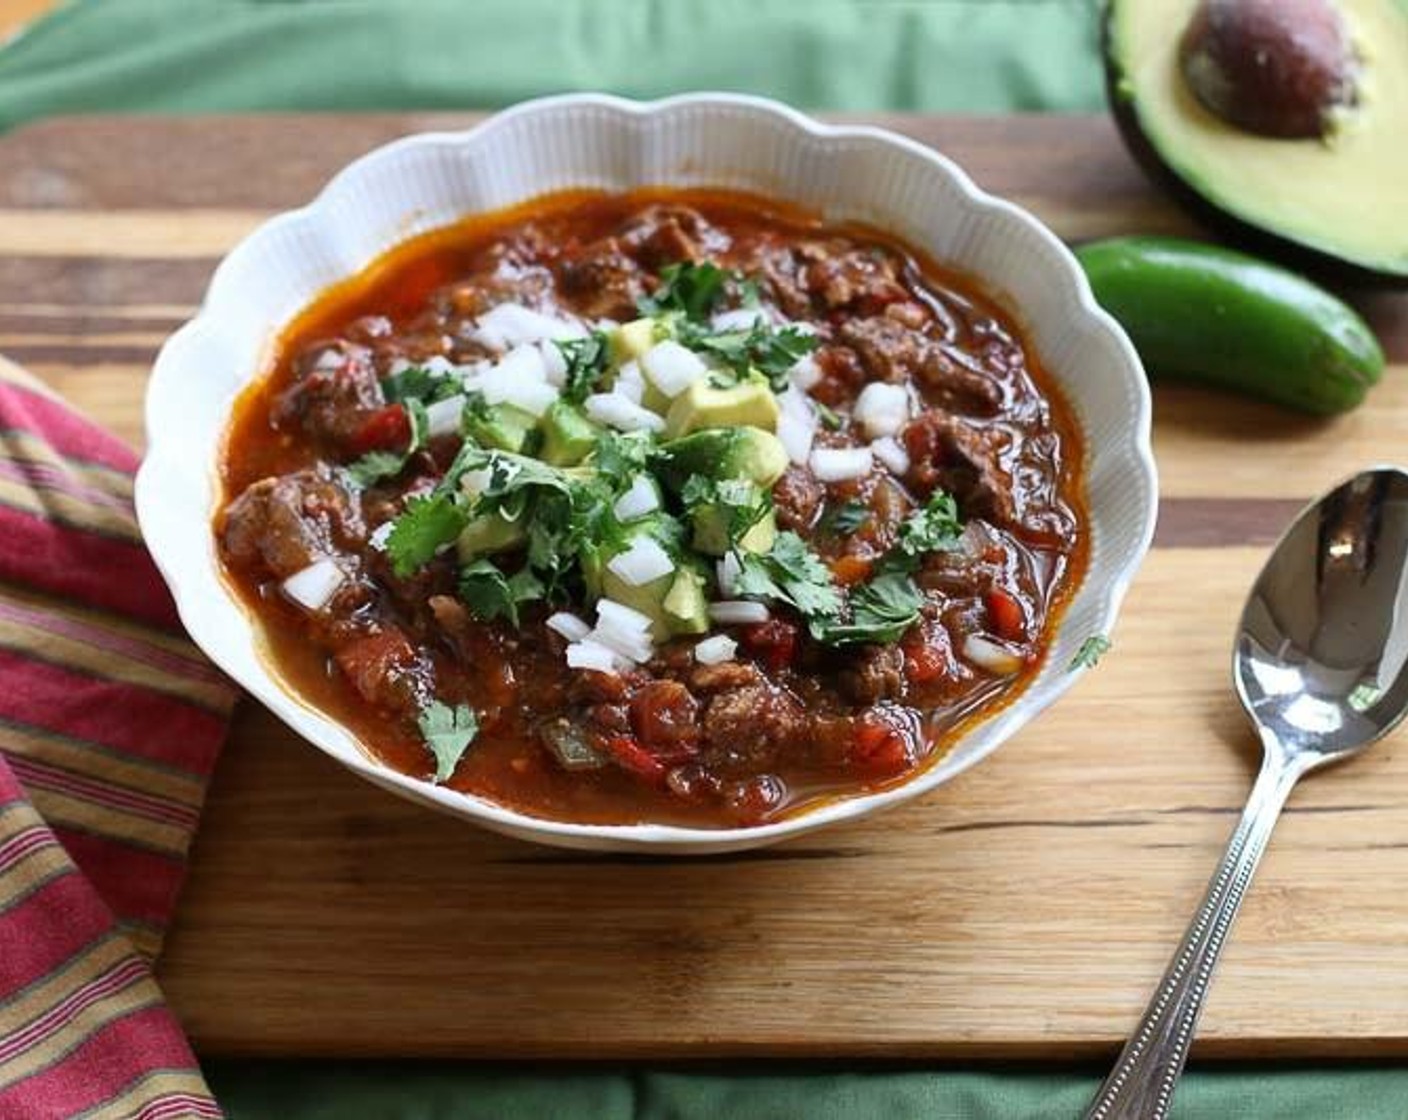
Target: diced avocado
{"points": [[648, 598], [630, 340], [503, 426], [568, 436], [490, 533], [703, 406], [685, 605], [711, 531], [741, 452]]}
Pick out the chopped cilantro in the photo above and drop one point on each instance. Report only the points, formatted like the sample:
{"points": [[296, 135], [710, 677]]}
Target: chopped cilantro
{"points": [[587, 360], [881, 611], [428, 523], [1090, 652], [416, 383], [490, 594], [689, 289], [469, 457], [622, 454], [768, 350], [790, 573], [688, 295], [935, 528], [447, 732], [741, 503]]}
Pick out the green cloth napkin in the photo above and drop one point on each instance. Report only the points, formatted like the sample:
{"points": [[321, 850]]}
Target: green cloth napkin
{"points": [[228, 55], [441, 1091], [934, 55]]}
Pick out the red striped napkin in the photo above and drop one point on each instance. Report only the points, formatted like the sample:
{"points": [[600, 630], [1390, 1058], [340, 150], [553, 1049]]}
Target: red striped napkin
{"points": [[110, 723]]}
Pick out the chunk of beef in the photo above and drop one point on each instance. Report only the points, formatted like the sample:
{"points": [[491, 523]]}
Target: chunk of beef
{"points": [[602, 280], [387, 670], [727, 675], [335, 391], [959, 385], [888, 350], [665, 718], [966, 460], [796, 498], [874, 673], [663, 235], [748, 727], [283, 524], [845, 277], [779, 275]]}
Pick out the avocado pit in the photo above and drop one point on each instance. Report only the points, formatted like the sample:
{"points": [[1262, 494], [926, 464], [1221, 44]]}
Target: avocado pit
{"points": [[1279, 68]]}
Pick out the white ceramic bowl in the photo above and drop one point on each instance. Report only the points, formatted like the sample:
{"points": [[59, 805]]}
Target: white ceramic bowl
{"points": [[423, 182]]}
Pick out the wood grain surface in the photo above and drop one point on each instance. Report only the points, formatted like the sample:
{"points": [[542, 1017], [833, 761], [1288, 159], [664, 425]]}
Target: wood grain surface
{"points": [[1023, 910]]}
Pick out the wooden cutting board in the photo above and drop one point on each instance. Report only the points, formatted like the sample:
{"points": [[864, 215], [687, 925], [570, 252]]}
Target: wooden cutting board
{"points": [[1022, 911]]}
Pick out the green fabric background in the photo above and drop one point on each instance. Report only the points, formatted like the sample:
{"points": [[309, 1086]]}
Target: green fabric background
{"points": [[201, 55], [936, 55]]}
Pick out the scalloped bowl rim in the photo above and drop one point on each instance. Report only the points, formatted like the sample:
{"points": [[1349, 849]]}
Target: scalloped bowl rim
{"points": [[207, 622]]}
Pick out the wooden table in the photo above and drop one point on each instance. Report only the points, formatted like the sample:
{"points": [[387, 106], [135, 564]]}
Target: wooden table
{"points": [[1023, 910]]}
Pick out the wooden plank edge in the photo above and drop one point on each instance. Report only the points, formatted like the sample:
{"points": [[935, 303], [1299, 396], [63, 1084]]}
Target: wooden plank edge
{"points": [[701, 1052]]}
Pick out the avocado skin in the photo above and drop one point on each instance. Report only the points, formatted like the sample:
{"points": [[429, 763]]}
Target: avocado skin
{"points": [[1260, 239], [1202, 313]]}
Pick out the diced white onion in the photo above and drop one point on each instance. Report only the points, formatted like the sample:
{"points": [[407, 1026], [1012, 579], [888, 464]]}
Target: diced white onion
{"points": [[443, 417], [630, 382], [881, 409], [739, 319], [568, 625], [805, 373], [892, 453], [626, 644], [797, 424], [838, 464], [621, 413], [715, 650], [629, 620], [440, 366], [796, 436], [519, 379], [590, 655], [793, 402], [672, 368], [512, 324], [475, 482], [987, 654], [554, 364], [643, 562], [380, 535], [728, 569], [332, 358], [640, 499], [315, 585], [738, 612]]}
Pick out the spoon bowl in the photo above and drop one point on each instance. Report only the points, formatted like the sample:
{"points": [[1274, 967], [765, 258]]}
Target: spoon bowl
{"points": [[1321, 657], [1320, 663]]}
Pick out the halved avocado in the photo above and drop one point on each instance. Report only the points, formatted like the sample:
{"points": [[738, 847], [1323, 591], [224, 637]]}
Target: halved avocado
{"points": [[1334, 203]]}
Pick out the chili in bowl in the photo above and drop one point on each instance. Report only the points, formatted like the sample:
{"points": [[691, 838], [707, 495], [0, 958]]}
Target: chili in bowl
{"points": [[646, 512]]}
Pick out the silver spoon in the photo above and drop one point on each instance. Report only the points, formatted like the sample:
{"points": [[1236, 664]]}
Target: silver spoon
{"points": [[1321, 666]]}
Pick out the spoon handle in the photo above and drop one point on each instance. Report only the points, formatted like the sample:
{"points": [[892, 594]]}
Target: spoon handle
{"points": [[1140, 1087]]}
